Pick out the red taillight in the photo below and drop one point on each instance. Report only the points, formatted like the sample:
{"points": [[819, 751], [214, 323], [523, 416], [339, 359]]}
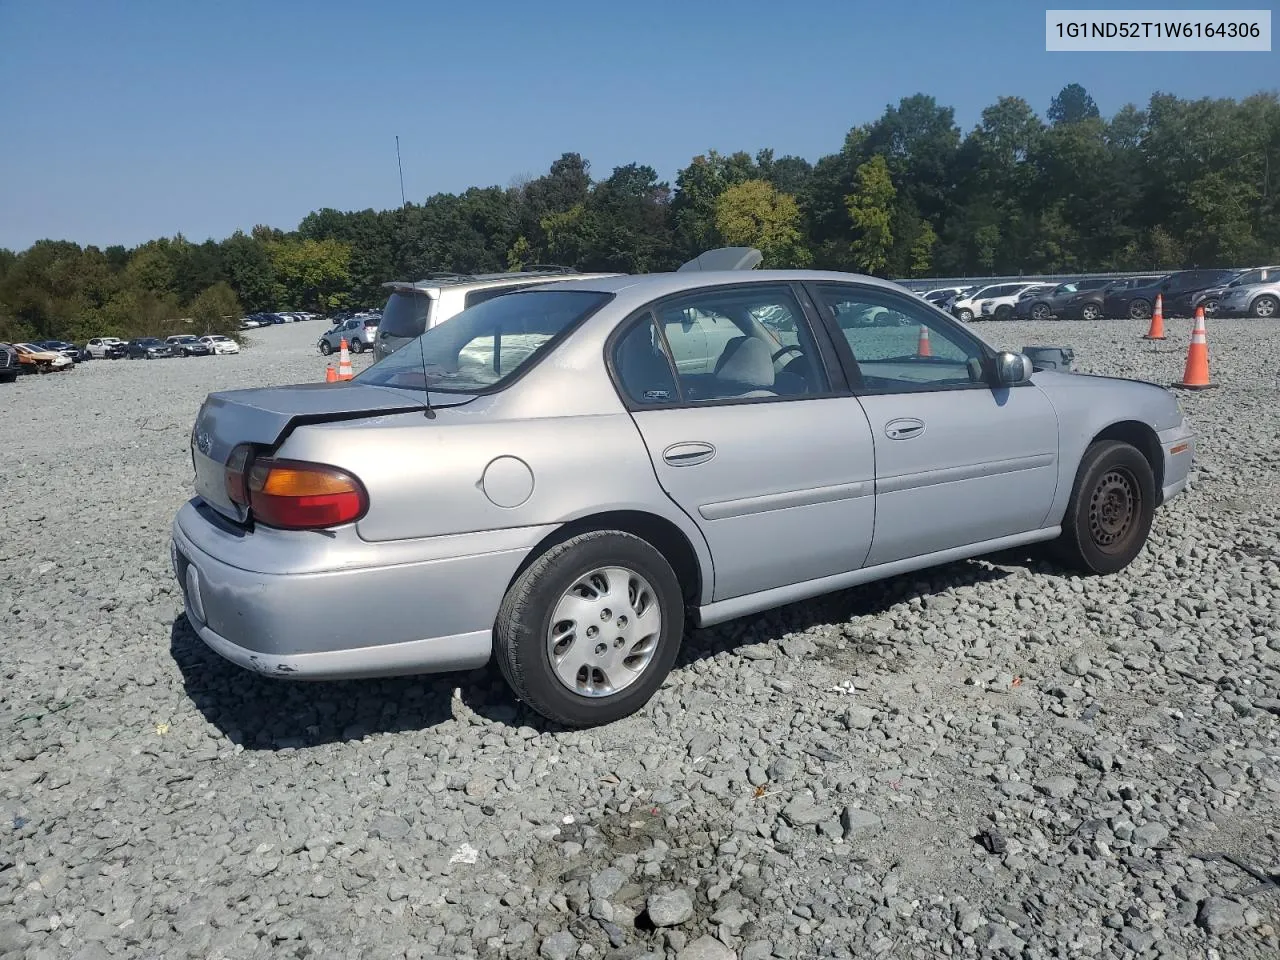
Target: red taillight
{"points": [[295, 495]]}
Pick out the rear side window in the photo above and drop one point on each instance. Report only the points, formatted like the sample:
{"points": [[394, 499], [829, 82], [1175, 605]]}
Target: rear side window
{"points": [[405, 315]]}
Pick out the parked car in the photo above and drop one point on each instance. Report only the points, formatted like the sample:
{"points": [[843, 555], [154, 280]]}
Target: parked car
{"points": [[1000, 306], [69, 350], [10, 366], [558, 477], [1176, 290], [188, 345], [1210, 298], [967, 307], [1183, 302], [148, 348], [415, 307], [1261, 300], [33, 358], [1087, 304], [359, 333], [217, 343], [1048, 302], [106, 348], [249, 323]]}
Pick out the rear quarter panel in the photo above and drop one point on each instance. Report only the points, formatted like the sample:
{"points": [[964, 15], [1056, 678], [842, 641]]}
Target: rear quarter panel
{"points": [[427, 477]]}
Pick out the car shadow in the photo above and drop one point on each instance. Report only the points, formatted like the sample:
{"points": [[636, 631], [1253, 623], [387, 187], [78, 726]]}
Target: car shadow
{"points": [[262, 713]]}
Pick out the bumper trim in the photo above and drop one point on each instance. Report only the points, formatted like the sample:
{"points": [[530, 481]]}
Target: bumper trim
{"points": [[463, 651]]}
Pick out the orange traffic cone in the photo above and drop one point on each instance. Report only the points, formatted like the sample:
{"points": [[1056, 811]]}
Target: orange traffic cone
{"points": [[344, 362], [330, 374], [1157, 321], [1196, 374], [922, 345]]}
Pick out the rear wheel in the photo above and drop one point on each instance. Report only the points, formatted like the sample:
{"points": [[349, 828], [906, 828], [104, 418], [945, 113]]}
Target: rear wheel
{"points": [[1139, 310], [589, 631], [1004, 312], [964, 316], [1041, 311], [1111, 508], [1210, 305], [357, 346], [1265, 307], [1090, 312]]}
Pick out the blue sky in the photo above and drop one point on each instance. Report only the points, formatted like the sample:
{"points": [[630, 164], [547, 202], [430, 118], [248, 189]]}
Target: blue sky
{"points": [[130, 120]]}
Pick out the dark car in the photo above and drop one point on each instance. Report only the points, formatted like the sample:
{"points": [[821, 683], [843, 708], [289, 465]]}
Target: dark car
{"points": [[1043, 304], [9, 368], [188, 345], [1088, 304], [148, 348], [69, 350], [1183, 302], [1176, 289]]}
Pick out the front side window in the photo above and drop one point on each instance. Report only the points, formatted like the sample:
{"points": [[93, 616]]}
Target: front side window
{"points": [[730, 343], [897, 346], [484, 347]]}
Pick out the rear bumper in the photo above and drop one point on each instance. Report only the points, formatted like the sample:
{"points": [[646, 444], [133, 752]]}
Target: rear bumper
{"points": [[1178, 445], [332, 606]]}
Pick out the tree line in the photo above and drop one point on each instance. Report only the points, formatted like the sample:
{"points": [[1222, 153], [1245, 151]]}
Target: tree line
{"points": [[1178, 184]]}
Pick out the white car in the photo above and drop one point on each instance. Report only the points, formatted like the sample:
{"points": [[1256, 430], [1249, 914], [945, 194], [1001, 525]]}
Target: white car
{"points": [[1000, 307], [102, 347], [220, 344], [966, 308]]}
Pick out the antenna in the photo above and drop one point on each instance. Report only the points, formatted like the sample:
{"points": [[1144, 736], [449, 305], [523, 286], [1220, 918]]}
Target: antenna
{"points": [[401, 169]]}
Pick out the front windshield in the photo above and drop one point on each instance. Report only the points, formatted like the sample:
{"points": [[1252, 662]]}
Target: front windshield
{"points": [[484, 346]]}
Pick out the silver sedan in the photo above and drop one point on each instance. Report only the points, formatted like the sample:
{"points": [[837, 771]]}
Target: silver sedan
{"points": [[562, 478]]}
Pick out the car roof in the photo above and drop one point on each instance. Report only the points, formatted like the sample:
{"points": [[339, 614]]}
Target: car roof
{"points": [[653, 285]]}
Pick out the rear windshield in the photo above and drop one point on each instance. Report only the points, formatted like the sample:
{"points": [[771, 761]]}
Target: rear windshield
{"points": [[485, 346], [405, 315]]}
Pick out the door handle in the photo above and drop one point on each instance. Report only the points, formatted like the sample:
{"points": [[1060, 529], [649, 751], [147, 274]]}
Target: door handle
{"points": [[904, 429], [688, 453]]}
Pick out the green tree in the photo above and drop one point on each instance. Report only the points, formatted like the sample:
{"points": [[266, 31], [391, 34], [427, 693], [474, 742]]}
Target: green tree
{"points": [[870, 208], [313, 274], [216, 310], [755, 214], [1071, 105]]}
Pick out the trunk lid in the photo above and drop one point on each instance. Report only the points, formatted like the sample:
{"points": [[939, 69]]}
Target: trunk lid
{"points": [[264, 416]]}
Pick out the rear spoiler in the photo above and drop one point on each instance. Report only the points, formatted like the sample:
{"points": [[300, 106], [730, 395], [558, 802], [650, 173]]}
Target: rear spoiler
{"points": [[724, 258]]}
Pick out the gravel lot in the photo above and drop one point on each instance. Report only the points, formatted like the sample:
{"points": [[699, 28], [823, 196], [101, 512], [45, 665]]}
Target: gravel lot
{"points": [[808, 783]]}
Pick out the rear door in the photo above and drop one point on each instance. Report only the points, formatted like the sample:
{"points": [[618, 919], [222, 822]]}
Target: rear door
{"points": [[958, 462], [752, 432]]}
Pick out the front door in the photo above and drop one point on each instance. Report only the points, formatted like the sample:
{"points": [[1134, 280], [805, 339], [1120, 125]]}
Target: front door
{"points": [[748, 437], [958, 462]]}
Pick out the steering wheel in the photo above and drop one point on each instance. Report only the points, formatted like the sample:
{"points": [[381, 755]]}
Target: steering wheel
{"points": [[790, 348]]}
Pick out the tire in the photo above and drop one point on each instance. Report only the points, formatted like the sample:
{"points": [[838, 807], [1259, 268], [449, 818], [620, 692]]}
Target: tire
{"points": [[325, 348], [1110, 511], [356, 346], [1210, 306], [1091, 312], [1004, 312], [523, 633], [1265, 307], [1040, 311], [964, 316], [1139, 310]]}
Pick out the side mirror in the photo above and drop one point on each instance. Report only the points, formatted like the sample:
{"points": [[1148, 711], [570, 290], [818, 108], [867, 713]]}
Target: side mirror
{"points": [[1012, 369]]}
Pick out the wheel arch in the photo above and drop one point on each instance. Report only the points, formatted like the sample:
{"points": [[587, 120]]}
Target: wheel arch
{"points": [[1141, 436], [659, 532]]}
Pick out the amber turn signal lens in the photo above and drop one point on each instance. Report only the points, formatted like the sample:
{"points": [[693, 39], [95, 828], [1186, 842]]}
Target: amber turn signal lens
{"points": [[295, 495]]}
